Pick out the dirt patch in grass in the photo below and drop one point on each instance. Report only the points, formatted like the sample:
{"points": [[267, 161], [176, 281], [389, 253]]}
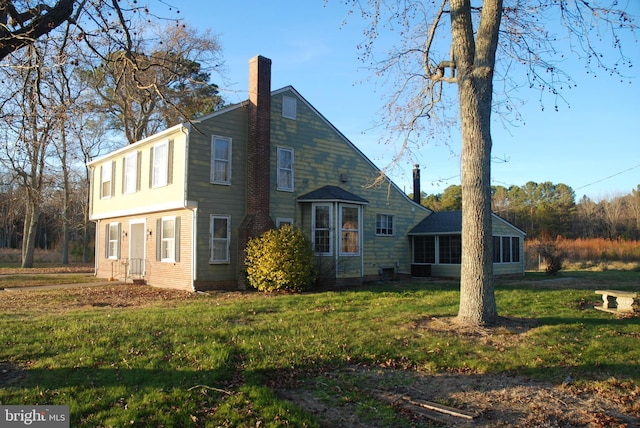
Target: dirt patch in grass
{"points": [[493, 400]]}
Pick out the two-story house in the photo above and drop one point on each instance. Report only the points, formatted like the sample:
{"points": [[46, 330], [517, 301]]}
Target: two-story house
{"points": [[177, 208]]}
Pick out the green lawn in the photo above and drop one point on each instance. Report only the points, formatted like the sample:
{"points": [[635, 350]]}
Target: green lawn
{"points": [[217, 359]]}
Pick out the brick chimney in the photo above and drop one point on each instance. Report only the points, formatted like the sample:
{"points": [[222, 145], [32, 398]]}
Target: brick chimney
{"points": [[259, 144], [257, 219], [416, 183]]}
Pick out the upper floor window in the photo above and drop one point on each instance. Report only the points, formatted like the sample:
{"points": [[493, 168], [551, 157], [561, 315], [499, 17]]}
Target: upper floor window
{"points": [[321, 224], [131, 181], [220, 160], [161, 164], [350, 229], [106, 180], [384, 224], [289, 107], [285, 169], [220, 231]]}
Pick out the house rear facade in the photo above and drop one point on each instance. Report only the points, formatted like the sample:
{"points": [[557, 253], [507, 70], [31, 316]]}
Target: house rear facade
{"points": [[177, 209]]}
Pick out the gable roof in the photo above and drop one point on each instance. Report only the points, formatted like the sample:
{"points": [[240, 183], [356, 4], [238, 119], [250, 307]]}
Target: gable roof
{"points": [[332, 193], [449, 222], [336, 130]]}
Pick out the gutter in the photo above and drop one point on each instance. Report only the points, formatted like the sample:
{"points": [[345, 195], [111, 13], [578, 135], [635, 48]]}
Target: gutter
{"points": [[193, 207]]}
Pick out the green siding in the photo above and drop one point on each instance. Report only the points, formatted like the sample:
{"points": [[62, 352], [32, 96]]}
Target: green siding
{"points": [[218, 198], [323, 157]]}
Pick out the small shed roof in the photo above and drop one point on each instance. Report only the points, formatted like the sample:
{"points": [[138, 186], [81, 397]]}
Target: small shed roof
{"points": [[332, 193]]}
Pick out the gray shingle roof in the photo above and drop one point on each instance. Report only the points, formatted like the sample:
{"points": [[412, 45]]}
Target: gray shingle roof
{"points": [[449, 222], [331, 193], [439, 222]]}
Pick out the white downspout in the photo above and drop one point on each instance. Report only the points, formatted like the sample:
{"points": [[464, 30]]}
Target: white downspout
{"points": [[193, 206], [96, 253]]}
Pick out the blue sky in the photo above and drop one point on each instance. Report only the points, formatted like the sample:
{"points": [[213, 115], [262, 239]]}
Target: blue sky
{"points": [[592, 145]]}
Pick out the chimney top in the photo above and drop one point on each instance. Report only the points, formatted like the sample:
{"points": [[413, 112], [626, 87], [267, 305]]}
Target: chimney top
{"points": [[416, 184]]}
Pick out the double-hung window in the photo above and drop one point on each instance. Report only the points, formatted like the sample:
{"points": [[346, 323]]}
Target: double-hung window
{"points": [[220, 160], [161, 158], [322, 222], [285, 169], [106, 180], [131, 176], [350, 230], [168, 239], [220, 232], [289, 107], [384, 225], [112, 238]]}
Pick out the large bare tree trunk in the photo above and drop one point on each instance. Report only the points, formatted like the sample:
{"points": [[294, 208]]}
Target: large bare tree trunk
{"points": [[475, 61], [29, 236]]}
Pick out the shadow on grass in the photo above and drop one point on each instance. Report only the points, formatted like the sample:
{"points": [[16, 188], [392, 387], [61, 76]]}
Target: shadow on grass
{"points": [[153, 397]]}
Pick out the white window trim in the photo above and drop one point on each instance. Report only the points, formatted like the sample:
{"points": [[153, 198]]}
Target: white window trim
{"points": [[130, 184], [511, 247], [212, 174], [392, 225], [172, 241], [163, 180], [359, 229], [106, 167], [279, 186], [117, 241], [227, 239], [289, 107], [313, 228]]}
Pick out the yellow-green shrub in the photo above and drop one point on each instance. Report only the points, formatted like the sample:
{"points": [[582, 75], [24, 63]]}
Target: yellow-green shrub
{"points": [[280, 259]]}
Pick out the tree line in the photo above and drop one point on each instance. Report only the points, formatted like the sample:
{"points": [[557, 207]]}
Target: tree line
{"points": [[547, 210]]}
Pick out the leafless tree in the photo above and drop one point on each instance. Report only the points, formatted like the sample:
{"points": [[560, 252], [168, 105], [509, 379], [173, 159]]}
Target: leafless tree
{"points": [[633, 211], [23, 22], [30, 117], [474, 44], [612, 209]]}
